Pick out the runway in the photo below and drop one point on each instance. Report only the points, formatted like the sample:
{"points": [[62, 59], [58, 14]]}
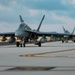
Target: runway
{"points": [[53, 58]]}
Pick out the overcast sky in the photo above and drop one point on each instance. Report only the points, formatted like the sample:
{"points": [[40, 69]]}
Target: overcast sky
{"points": [[57, 13]]}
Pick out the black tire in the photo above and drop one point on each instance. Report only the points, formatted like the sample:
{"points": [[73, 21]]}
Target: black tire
{"points": [[39, 44], [74, 41], [20, 45], [62, 41], [17, 44], [24, 45]]}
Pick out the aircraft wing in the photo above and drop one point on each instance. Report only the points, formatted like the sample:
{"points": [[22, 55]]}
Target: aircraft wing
{"points": [[41, 33], [49, 33], [54, 34], [7, 34]]}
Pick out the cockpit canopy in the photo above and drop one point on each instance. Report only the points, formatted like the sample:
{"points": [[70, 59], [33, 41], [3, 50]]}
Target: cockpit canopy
{"points": [[24, 26]]}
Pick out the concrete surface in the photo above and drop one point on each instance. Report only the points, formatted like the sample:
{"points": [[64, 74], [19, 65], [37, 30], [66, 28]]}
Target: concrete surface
{"points": [[53, 58]]}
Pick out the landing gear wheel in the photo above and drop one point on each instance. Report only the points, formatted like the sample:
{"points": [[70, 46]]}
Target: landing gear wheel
{"points": [[20, 45], [62, 41], [24, 45], [74, 41], [39, 44], [66, 41], [17, 44]]}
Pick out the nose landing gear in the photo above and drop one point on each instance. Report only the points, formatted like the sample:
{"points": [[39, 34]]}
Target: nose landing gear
{"points": [[21, 44]]}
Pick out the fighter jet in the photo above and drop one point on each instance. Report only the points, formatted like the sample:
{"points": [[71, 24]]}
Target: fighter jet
{"points": [[25, 33], [66, 31], [67, 35]]}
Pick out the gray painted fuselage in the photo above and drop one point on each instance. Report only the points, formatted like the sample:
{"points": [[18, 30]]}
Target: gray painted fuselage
{"points": [[20, 32]]}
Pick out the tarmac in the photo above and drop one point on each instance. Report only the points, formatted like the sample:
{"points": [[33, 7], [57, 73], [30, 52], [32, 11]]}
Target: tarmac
{"points": [[53, 58]]}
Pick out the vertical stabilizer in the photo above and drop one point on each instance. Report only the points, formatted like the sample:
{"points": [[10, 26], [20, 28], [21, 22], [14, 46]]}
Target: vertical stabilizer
{"points": [[40, 23], [64, 29], [21, 20], [73, 30]]}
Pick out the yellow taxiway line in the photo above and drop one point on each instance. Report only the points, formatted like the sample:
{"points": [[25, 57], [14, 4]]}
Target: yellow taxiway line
{"points": [[37, 54]]}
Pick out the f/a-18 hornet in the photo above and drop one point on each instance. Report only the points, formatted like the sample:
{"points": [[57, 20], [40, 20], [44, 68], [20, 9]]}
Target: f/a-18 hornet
{"points": [[68, 37], [25, 33]]}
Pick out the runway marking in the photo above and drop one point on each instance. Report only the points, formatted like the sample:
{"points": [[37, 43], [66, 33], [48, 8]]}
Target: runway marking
{"points": [[37, 54], [39, 68]]}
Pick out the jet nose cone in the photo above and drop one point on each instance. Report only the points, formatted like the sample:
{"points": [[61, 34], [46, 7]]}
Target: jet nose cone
{"points": [[18, 33]]}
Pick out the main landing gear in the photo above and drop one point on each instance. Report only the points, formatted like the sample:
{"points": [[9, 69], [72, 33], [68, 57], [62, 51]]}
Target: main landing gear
{"points": [[20, 44], [17, 44], [38, 43]]}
